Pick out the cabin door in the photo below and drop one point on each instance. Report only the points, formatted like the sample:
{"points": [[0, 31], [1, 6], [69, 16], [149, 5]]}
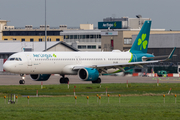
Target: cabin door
{"points": [[29, 58]]}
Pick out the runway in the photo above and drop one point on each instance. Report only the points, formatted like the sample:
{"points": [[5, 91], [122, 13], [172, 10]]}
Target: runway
{"points": [[54, 79]]}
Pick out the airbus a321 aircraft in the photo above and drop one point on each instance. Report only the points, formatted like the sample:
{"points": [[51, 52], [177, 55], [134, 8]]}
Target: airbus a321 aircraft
{"points": [[87, 65]]}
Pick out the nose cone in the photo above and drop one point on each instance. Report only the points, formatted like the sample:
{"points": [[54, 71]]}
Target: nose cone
{"points": [[7, 67]]}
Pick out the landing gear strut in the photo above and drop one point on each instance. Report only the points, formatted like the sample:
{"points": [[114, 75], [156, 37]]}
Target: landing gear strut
{"points": [[64, 80], [22, 77], [97, 81]]}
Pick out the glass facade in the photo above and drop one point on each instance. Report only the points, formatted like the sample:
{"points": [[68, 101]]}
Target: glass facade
{"points": [[91, 47], [81, 46], [22, 40], [30, 33], [127, 41], [81, 36], [40, 39], [31, 40]]}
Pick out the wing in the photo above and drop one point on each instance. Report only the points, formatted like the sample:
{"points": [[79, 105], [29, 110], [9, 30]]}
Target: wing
{"points": [[119, 66]]}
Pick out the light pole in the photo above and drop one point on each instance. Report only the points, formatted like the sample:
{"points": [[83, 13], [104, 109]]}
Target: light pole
{"points": [[45, 28]]}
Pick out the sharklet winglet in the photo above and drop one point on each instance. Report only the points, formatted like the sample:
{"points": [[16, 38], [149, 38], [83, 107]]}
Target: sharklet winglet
{"points": [[170, 56]]}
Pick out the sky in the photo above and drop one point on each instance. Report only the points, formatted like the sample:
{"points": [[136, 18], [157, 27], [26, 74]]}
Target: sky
{"points": [[164, 13]]}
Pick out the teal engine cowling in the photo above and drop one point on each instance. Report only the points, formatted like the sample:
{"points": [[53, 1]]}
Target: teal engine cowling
{"points": [[40, 77], [88, 74]]}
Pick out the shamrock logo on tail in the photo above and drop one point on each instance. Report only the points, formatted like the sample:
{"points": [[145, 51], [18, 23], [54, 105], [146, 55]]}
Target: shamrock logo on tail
{"points": [[115, 24], [142, 41]]}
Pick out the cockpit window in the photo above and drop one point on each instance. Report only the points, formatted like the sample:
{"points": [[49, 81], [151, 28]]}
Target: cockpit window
{"points": [[11, 59], [15, 59]]}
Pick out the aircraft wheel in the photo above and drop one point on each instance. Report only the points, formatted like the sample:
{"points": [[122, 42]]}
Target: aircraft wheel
{"points": [[97, 81], [93, 81], [21, 82], [61, 80], [66, 80]]}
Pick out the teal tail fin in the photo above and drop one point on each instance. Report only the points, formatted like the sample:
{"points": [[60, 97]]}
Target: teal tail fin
{"points": [[140, 45]]}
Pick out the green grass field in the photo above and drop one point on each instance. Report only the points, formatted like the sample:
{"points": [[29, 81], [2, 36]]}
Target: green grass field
{"points": [[91, 89], [138, 101]]}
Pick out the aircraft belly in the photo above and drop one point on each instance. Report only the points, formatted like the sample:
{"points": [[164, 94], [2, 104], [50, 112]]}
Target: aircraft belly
{"points": [[67, 70], [53, 68]]}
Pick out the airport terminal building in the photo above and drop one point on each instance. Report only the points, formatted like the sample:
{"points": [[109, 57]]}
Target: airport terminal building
{"points": [[84, 38]]}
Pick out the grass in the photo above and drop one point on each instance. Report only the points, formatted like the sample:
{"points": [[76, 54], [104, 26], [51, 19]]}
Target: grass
{"points": [[91, 89], [131, 107], [138, 101]]}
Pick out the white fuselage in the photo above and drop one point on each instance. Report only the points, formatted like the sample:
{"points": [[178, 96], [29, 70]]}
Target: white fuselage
{"points": [[61, 62]]}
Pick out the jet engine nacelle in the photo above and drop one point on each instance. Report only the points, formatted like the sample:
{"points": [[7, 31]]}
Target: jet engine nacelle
{"points": [[88, 74], [40, 77]]}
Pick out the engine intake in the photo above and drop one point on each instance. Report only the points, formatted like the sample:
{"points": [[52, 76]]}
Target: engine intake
{"points": [[40, 77], [88, 74]]}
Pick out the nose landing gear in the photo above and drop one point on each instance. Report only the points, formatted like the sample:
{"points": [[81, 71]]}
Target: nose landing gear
{"points": [[23, 79]]}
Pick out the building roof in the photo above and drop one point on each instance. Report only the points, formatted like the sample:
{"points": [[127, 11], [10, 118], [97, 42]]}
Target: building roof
{"points": [[13, 47], [33, 29], [3, 21], [65, 44], [80, 32]]}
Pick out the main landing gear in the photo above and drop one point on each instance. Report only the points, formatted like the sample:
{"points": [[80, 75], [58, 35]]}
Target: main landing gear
{"points": [[64, 80], [97, 81], [22, 77]]}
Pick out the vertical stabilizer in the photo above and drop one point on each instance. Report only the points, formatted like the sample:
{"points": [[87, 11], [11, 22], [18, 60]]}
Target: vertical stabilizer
{"points": [[140, 45]]}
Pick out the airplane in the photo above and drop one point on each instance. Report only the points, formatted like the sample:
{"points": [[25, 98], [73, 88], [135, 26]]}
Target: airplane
{"points": [[87, 65]]}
